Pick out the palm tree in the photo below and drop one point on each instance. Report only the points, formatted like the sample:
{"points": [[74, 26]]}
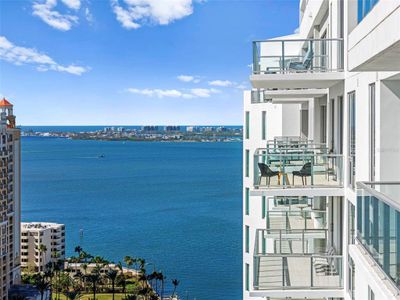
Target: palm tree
{"points": [[121, 281], [162, 278], [41, 284], [78, 249], [94, 279], [175, 282], [42, 250], [112, 275], [129, 261]]}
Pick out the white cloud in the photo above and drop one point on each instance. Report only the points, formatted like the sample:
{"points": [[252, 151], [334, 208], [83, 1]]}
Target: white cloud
{"points": [[134, 13], [22, 55], [173, 93], [46, 11], [188, 78], [203, 93], [89, 15], [222, 83], [73, 4]]}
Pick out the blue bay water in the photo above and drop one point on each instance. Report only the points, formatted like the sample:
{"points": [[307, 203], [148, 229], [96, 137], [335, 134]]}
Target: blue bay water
{"points": [[178, 205]]}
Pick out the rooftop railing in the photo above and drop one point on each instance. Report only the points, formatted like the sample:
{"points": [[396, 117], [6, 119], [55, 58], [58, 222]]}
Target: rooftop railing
{"points": [[378, 225], [302, 168], [296, 271], [297, 56]]}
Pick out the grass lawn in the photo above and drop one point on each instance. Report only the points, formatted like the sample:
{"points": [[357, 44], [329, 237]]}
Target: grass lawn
{"points": [[98, 297]]}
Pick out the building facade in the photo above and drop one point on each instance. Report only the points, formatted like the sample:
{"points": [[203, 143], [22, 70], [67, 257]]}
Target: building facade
{"points": [[321, 153], [41, 243], [10, 198]]}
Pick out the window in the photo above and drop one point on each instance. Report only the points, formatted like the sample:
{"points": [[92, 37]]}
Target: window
{"points": [[371, 295], [372, 141], [333, 140], [352, 137], [247, 238], [351, 278], [263, 207], [247, 166], [247, 275], [247, 202], [323, 124], [247, 125], [340, 121], [364, 7], [263, 125], [351, 222]]}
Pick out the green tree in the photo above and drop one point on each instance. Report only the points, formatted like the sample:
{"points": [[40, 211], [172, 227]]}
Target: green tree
{"points": [[94, 279], [112, 275], [73, 295], [175, 283], [41, 284]]}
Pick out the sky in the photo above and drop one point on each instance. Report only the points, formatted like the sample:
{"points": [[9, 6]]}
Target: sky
{"points": [[133, 62]]}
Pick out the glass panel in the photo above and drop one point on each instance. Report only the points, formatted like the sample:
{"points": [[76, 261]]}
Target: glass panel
{"points": [[247, 238], [263, 125], [247, 202], [247, 158], [378, 227], [247, 124], [297, 56]]}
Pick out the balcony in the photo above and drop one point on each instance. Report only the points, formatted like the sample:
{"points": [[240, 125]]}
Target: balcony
{"points": [[297, 263], [378, 226], [285, 95], [374, 44], [296, 167], [297, 63]]}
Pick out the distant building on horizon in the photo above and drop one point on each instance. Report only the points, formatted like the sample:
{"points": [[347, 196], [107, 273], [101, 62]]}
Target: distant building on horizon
{"points": [[41, 243], [10, 199]]}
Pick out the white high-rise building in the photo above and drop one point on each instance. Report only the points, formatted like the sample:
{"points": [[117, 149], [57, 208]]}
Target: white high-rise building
{"points": [[41, 243], [10, 199], [321, 161]]}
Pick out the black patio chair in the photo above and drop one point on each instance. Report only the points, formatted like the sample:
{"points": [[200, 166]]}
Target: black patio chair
{"points": [[266, 172], [303, 173]]}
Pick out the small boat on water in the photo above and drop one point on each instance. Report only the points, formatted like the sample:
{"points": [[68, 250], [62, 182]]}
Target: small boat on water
{"points": [[101, 156]]}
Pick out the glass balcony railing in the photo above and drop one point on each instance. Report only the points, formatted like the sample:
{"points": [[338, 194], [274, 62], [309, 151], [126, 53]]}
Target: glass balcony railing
{"points": [[296, 271], [378, 225], [297, 56], [297, 167], [296, 219], [292, 241]]}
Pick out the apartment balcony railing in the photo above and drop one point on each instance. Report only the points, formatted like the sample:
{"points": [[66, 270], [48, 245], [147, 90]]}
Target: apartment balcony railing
{"points": [[296, 271], [296, 219], [300, 168], [297, 56], [293, 241], [378, 225]]}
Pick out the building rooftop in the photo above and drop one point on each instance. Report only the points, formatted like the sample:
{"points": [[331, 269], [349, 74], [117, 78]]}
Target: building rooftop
{"points": [[5, 103], [39, 225]]}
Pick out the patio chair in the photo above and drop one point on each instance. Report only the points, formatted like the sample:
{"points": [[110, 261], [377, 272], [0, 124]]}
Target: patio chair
{"points": [[266, 172], [303, 173], [305, 64]]}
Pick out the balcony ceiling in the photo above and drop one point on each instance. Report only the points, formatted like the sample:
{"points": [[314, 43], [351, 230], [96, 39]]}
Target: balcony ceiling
{"points": [[296, 80], [387, 60], [295, 94]]}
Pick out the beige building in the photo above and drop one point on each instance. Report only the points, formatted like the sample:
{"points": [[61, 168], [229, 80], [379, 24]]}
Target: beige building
{"points": [[10, 198], [41, 243]]}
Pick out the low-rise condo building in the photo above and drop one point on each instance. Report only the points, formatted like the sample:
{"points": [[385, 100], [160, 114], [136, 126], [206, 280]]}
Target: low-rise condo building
{"points": [[10, 199], [41, 243], [321, 156]]}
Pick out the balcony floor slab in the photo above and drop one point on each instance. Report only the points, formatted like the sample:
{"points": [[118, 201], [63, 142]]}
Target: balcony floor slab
{"points": [[296, 80]]}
